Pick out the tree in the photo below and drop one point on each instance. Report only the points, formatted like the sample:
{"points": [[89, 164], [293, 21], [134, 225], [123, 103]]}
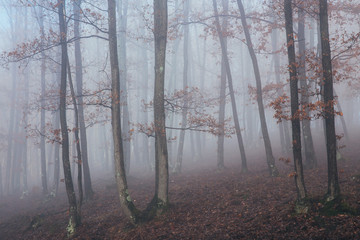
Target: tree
{"points": [[306, 130], [269, 155], [221, 137], [295, 118], [184, 113], [42, 124], [329, 114], [79, 87], [74, 219], [161, 155], [126, 203], [231, 89], [122, 9]]}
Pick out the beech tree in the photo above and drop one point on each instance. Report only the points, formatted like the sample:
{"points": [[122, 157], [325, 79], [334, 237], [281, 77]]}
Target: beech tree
{"points": [[126, 203], [269, 154], [122, 9], [310, 157], [231, 89], [295, 118], [161, 155], [74, 218], [184, 113], [220, 149], [79, 87], [329, 113]]}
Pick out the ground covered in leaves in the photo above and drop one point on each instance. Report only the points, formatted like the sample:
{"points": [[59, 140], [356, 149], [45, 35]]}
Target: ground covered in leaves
{"points": [[206, 204]]}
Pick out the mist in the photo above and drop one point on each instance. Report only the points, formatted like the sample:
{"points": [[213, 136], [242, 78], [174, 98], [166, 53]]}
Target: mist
{"points": [[227, 108]]}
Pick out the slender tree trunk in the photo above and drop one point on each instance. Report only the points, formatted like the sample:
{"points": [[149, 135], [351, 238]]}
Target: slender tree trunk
{"points": [[9, 157], [308, 140], [333, 182], [231, 89], [122, 8], [77, 142], [145, 79], [42, 105], [179, 159], [56, 158], [79, 87], [269, 155], [1, 182], [221, 136], [125, 200], [74, 219], [294, 91], [161, 154]]}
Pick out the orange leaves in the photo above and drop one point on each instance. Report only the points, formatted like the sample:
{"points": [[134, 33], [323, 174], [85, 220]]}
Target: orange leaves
{"points": [[285, 160]]}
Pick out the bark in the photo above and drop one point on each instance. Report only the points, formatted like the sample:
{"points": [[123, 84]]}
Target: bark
{"points": [[56, 158], [9, 156], [231, 90], [269, 155], [126, 203], [184, 112], [295, 121], [333, 182], [73, 216], [1, 182], [145, 78], [170, 87], [122, 14], [306, 130], [77, 143], [221, 136], [161, 155], [79, 87], [42, 105]]}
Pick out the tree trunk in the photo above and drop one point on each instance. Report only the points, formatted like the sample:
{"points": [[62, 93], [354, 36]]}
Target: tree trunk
{"points": [[56, 158], [308, 140], [10, 139], [122, 14], [73, 220], [161, 155], [269, 155], [77, 142], [145, 79], [120, 175], [42, 105], [333, 182], [231, 90], [179, 159], [221, 136], [294, 92], [79, 87]]}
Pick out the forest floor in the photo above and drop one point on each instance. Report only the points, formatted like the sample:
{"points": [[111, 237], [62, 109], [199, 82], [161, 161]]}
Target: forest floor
{"points": [[205, 204]]}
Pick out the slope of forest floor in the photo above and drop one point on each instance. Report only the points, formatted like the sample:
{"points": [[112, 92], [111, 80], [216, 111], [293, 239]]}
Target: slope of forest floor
{"points": [[206, 204]]}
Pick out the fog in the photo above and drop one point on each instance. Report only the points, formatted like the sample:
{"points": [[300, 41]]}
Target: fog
{"points": [[31, 56]]}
